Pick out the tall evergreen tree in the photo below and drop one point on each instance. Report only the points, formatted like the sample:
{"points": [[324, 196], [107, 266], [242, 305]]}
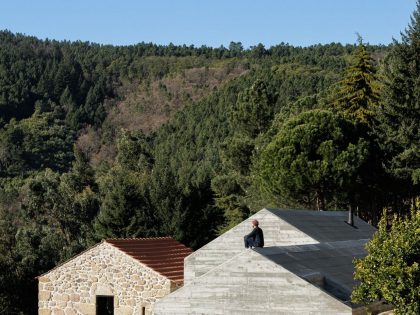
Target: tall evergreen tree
{"points": [[357, 95], [124, 211], [400, 113]]}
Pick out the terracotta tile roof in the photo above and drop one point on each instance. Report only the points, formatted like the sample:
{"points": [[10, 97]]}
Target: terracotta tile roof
{"points": [[162, 254]]}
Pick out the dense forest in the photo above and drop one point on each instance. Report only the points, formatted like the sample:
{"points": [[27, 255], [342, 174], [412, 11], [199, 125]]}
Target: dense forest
{"points": [[100, 141]]}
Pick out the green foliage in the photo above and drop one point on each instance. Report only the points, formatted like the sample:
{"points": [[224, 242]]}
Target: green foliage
{"points": [[41, 141], [134, 152], [52, 223], [391, 270], [66, 204], [190, 178], [180, 210], [236, 48], [231, 197], [124, 211], [180, 182], [250, 117], [254, 110], [10, 278], [314, 156], [236, 153], [357, 94], [399, 115]]}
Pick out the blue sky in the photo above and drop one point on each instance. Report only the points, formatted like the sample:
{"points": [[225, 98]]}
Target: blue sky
{"points": [[209, 22]]}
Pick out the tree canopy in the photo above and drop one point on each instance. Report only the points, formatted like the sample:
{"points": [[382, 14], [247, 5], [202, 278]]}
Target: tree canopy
{"points": [[391, 270], [162, 140], [314, 157], [357, 95], [399, 114]]}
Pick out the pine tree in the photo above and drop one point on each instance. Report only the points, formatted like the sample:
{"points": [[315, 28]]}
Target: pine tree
{"points": [[123, 211], [254, 110], [313, 158], [357, 95], [400, 114]]}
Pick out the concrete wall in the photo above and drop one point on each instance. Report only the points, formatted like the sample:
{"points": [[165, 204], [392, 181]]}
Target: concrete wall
{"points": [[249, 283], [277, 232], [103, 270]]}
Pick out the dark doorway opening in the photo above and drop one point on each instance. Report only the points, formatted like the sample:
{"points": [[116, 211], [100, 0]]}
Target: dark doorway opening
{"points": [[104, 305]]}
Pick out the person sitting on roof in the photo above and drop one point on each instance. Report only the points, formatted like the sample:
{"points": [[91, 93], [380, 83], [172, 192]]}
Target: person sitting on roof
{"points": [[256, 237]]}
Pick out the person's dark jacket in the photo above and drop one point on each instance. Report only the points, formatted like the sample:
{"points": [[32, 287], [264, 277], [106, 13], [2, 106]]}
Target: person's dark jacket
{"points": [[258, 237]]}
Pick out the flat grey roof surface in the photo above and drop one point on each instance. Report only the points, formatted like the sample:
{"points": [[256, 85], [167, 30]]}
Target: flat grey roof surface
{"points": [[333, 261], [326, 226]]}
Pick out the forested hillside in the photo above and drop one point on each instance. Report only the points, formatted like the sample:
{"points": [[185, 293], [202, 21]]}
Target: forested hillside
{"points": [[102, 141]]}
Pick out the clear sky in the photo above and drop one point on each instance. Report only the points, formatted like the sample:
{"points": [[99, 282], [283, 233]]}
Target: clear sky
{"points": [[209, 22]]}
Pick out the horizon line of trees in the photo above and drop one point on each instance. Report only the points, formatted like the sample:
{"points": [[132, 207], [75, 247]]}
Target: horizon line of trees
{"points": [[323, 127]]}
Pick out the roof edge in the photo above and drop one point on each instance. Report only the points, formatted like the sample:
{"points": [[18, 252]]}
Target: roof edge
{"points": [[70, 259], [143, 264], [138, 238], [242, 253], [106, 241]]}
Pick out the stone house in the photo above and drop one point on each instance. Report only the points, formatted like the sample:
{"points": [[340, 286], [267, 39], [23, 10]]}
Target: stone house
{"points": [[116, 276], [306, 267]]}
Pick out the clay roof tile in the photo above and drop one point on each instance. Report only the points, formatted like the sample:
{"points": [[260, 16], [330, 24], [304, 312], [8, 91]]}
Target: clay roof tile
{"points": [[162, 254]]}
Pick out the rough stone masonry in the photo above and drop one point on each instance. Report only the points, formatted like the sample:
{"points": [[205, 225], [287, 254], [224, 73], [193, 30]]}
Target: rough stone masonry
{"points": [[102, 270]]}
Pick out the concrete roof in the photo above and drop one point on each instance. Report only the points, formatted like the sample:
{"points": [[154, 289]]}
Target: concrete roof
{"points": [[305, 268], [297, 279], [326, 226], [326, 265], [281, 227]]}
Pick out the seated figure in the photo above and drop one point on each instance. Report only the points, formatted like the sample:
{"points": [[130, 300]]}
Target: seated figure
{"points": [[256, 237]]}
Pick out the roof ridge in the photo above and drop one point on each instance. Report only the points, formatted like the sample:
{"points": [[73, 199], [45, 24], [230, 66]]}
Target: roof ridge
{"points": [[138, 238], [232, 230]]}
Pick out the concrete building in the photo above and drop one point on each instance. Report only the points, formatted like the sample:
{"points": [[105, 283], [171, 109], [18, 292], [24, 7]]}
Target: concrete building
{"points": [[305, 268], [116, 276]]}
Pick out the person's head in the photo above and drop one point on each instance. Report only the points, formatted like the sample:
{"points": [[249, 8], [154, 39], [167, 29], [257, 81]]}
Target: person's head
{"points": [[254, 223]]}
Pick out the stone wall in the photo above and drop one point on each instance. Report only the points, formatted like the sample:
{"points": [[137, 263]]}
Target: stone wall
{"points": [[102, 270]]}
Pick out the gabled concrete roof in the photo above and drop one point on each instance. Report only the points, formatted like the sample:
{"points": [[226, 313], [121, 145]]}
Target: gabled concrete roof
{"points": [[301, 279], [281, 227], [305, 268], [326, 265], [326, 226]]}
